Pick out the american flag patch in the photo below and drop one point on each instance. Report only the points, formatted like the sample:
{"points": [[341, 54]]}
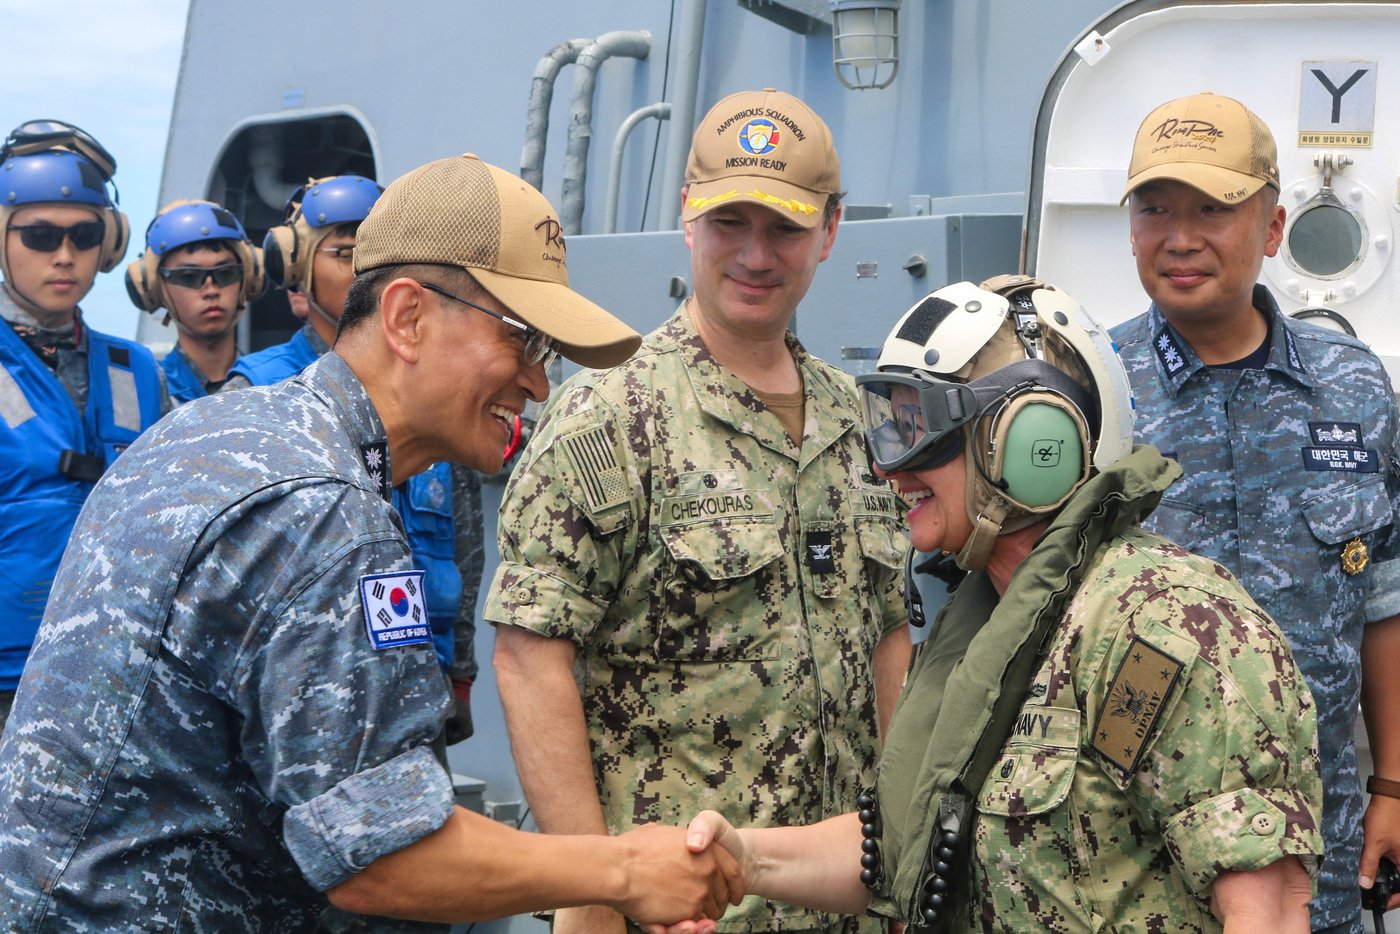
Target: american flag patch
{"points": [[592, 457]]}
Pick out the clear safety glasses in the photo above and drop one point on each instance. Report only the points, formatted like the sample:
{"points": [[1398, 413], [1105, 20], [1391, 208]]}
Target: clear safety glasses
{"points": [[46, 238], [539, 348], [40, 135], [192, 277], [913, 420]]}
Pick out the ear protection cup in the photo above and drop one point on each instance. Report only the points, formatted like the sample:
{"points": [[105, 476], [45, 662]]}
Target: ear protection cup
{"points": [[1040, 450], [116, 236], [254, 282], [280, 259], [143, 282]]}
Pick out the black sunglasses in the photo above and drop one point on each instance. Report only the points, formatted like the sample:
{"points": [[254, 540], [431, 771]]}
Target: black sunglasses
{"points": [[45, 238], [39, 135], [192, 277]]}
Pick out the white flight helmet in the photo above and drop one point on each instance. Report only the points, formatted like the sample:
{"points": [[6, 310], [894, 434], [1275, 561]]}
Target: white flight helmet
{"points": [[1036, 382]]}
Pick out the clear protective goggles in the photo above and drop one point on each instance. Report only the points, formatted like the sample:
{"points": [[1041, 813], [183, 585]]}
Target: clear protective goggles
{"points": [[40, 135], [913, 420]]}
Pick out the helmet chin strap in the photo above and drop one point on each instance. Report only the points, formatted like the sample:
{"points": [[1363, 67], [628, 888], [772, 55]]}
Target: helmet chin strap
{"points": [[325, 315], [39, 314], [991, 512]]}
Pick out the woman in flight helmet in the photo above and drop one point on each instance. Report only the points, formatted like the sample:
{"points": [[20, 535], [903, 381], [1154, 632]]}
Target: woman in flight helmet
{"points": [[1104, 732]]}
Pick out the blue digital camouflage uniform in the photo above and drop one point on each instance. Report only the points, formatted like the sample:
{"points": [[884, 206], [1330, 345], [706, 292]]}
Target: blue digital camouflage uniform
{"points": [[726, 590], [1165, 736], [205, 738], [280, 361], [1291, 478]]}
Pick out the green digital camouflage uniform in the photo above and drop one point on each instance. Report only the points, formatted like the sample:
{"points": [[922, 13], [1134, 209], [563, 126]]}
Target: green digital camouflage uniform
{"points": [[1165, 735], [726, 592]]}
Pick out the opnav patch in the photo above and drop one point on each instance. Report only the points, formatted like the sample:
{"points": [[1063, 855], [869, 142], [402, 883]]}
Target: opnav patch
{"points": [[1137, 697]]}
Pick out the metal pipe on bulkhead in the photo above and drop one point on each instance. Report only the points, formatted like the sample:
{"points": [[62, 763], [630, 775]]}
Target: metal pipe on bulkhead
{"points": [[609, 44], [537, 112], [661, 111], [692, 41]]}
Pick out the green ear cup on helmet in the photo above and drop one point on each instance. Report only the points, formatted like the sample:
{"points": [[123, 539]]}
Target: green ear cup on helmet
{"points": [[1043, 457]]}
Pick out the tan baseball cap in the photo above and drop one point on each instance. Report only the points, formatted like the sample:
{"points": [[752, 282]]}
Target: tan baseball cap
{"points": [[1212, 143], [464, 212], [762, 146]]}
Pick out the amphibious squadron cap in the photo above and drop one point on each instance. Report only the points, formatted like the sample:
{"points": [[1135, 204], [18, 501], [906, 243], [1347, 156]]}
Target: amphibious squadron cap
{"points": [[766, 147], [464, 212], [1212, 143]]}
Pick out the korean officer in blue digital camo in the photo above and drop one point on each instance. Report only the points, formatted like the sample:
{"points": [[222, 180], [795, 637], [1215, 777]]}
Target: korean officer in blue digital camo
{"points": [[201, 268], [1290, 441], [228, 718], [311, 255], [71, 398]]}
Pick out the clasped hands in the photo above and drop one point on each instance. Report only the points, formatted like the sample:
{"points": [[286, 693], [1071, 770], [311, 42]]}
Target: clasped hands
{"points": [[676, 882]]}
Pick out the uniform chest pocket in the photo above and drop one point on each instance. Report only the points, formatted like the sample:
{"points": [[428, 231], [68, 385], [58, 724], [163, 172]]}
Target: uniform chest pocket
{"points": [[723, 593], [427, 511], [1349, 512], [1037, 765], [1178, 522]]}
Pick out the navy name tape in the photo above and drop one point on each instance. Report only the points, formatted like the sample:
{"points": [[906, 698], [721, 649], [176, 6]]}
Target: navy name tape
{"points": [[1349, 459], [395, 612]]}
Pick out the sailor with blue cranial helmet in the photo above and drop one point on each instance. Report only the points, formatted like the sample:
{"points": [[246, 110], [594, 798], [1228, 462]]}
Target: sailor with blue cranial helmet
{"points": [[310, 255], [201, 268], [71, 398]]}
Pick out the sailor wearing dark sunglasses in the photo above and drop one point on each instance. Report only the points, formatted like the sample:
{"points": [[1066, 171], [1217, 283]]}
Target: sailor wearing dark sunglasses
{"points": [[201, 269], [71, 399]]}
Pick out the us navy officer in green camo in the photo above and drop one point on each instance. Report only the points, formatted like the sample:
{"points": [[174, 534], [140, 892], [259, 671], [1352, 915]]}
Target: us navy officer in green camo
{"points": [[699, 534]]}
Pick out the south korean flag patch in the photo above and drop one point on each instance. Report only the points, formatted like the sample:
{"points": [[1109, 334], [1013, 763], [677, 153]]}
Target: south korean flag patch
{"points": [[394, 610]]}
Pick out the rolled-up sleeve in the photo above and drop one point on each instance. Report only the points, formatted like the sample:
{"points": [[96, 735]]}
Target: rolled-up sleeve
{"points": [[366, 816]]}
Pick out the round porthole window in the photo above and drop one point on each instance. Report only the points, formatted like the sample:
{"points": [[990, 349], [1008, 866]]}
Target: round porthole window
{"points": [[1325, 240]]}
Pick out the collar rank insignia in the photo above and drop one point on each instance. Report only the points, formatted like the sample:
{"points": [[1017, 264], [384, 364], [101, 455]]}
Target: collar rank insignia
{"points": [[1355, 557], [375, 455], [1169, 352], [819, 557]]}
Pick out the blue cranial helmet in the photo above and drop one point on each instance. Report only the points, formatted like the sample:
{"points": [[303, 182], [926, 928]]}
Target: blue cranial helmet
{"points": [[59, 176], [187, 222], [311, 213], [184, 223], [340, 199]]}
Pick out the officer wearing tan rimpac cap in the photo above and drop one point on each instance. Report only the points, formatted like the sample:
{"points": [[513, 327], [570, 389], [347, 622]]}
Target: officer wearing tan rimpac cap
{"points": [[699, 532], [261, 655], [1290, 439]]}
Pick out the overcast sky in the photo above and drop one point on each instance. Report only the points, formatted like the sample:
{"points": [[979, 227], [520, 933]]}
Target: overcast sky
{"points": [[108, 66]]}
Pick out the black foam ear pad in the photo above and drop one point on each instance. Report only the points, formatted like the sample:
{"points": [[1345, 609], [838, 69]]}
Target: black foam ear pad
{"points": [[279, 251]]}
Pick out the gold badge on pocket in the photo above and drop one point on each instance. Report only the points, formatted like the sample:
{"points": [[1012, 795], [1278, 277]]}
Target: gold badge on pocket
{"points": [[1355, 557]]}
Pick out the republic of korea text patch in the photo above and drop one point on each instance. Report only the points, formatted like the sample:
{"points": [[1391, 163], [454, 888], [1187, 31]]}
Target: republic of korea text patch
{"points": [[395, 613]]}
